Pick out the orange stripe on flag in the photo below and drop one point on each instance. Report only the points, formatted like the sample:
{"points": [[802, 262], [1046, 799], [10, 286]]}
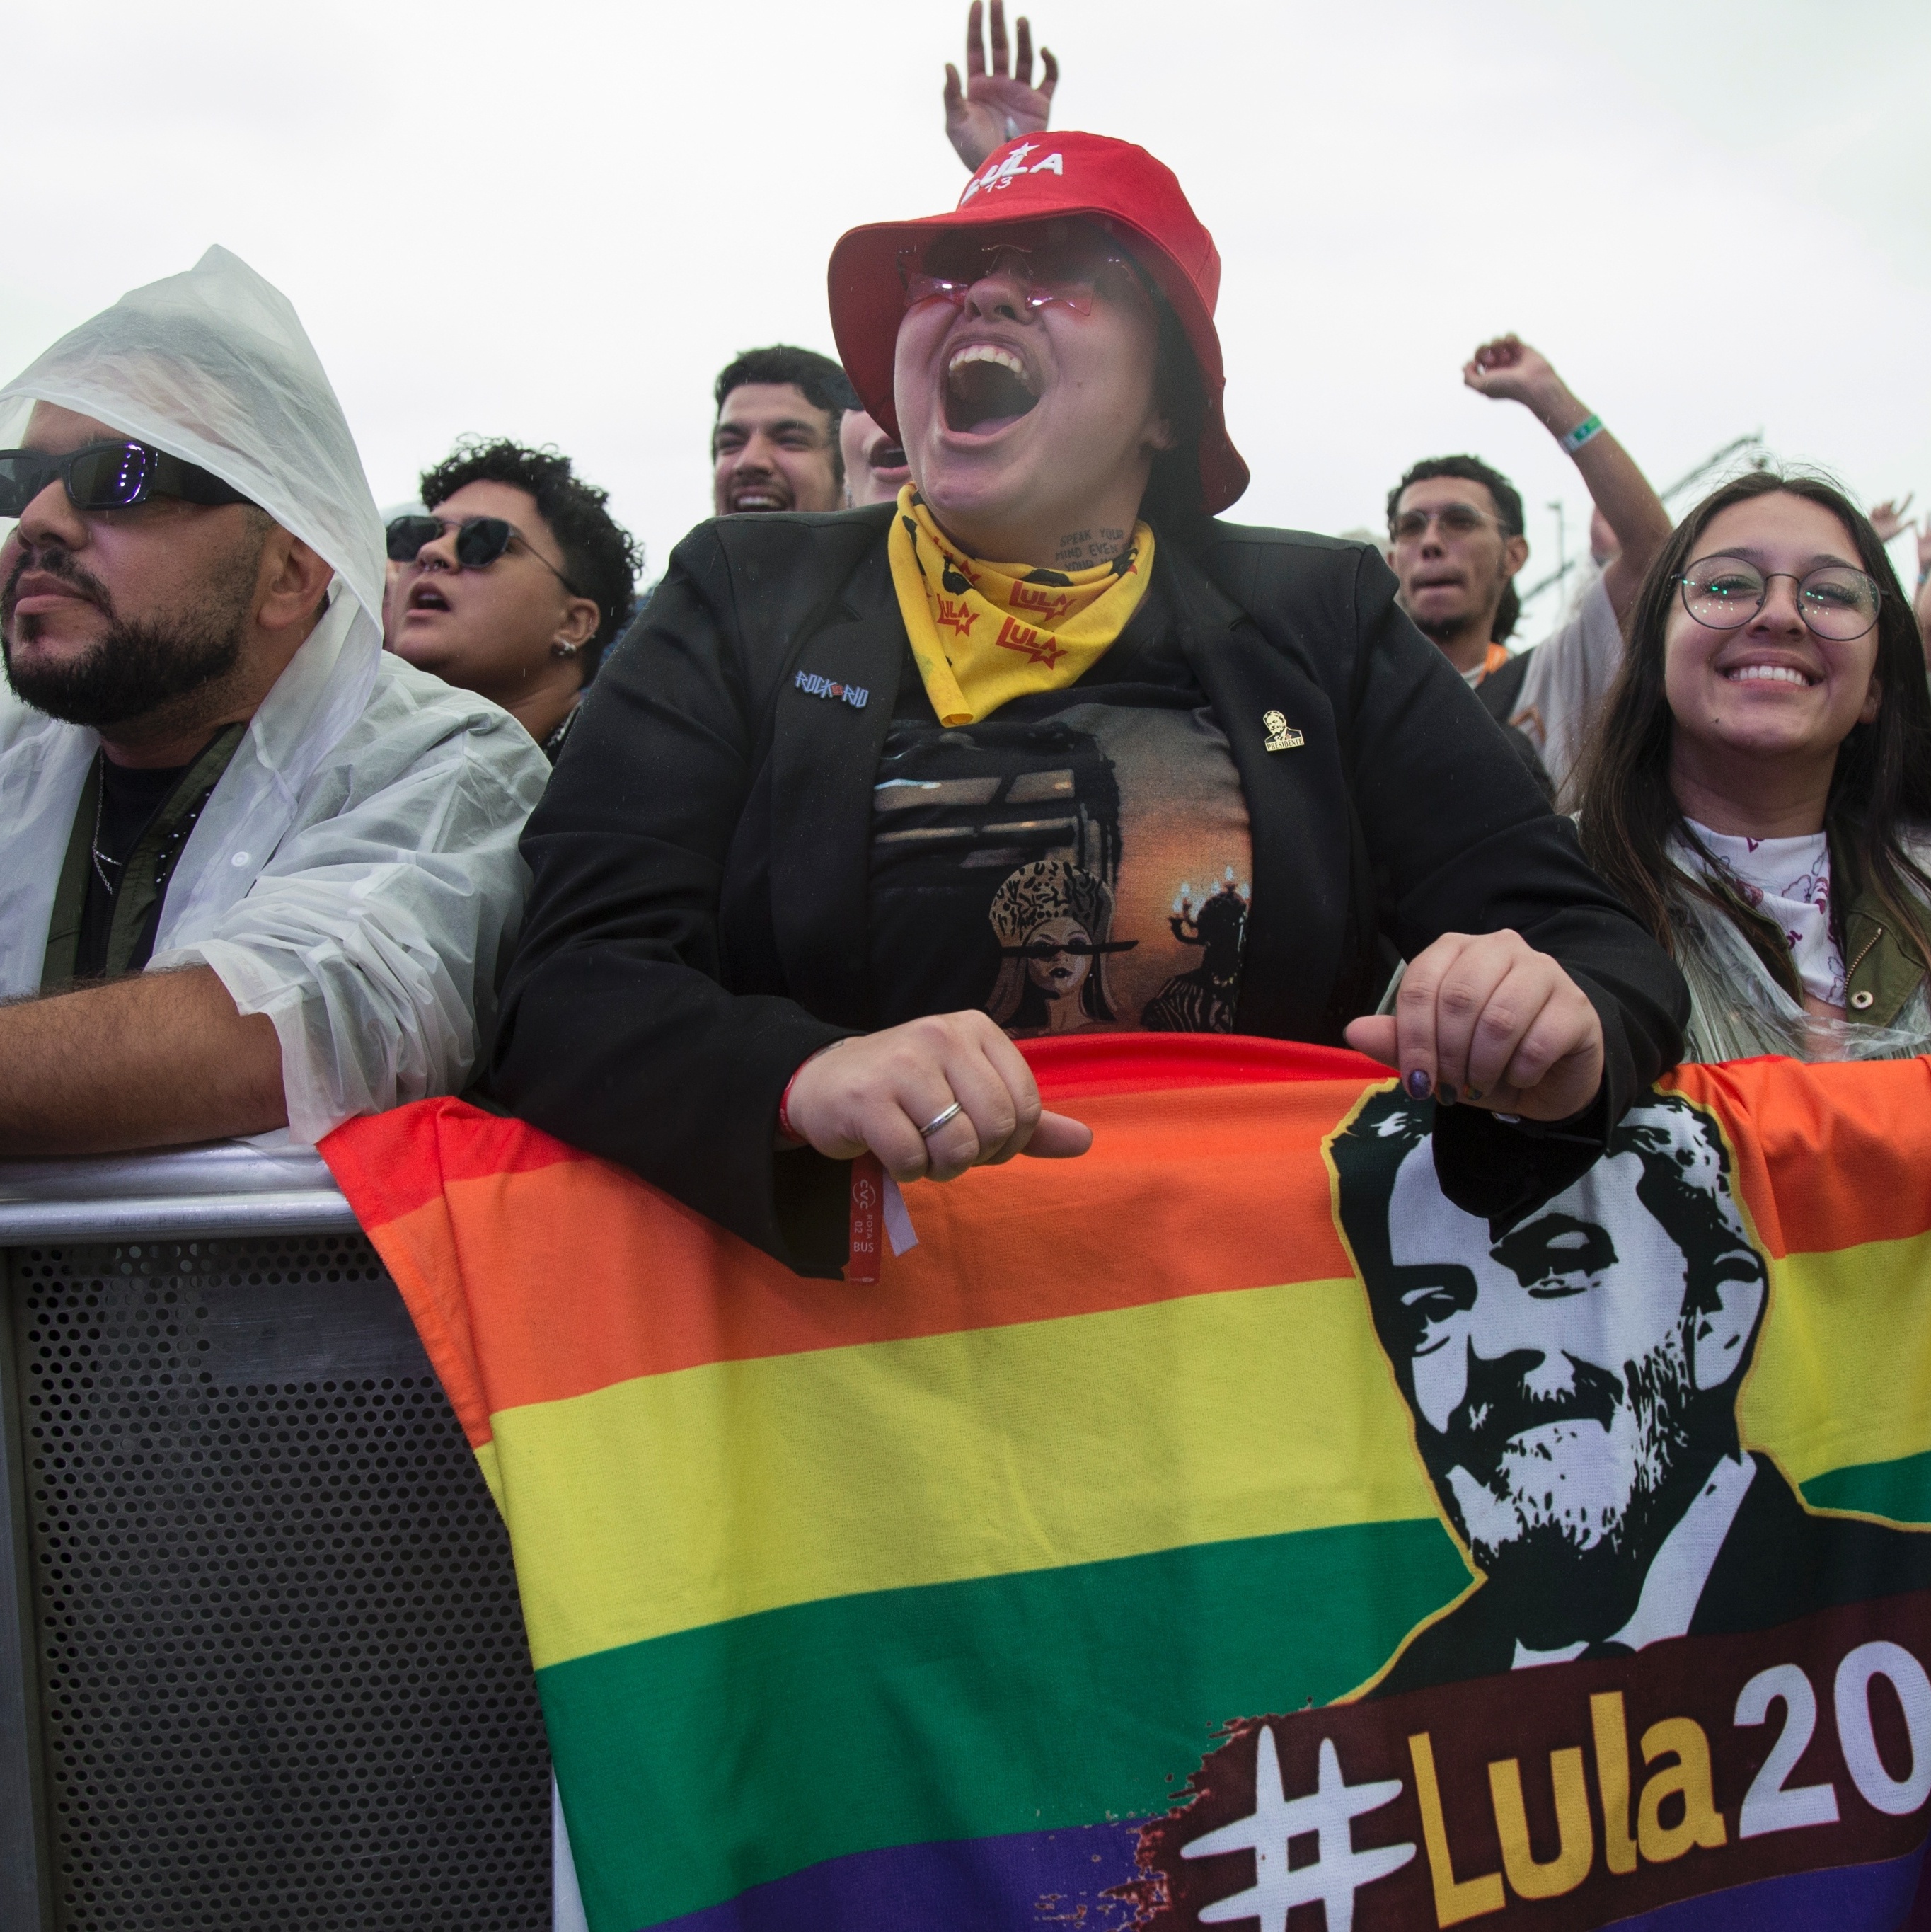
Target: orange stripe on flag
{"points": [[1837, 1126], [660, 1288]]}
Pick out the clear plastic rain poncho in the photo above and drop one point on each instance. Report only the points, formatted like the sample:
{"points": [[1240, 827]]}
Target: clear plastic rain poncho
{"points": [[1737, 1010], [355, 873]]}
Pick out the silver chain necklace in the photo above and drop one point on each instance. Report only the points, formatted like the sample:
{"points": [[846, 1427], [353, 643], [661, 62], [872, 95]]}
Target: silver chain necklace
{"points": [[101, 861]]}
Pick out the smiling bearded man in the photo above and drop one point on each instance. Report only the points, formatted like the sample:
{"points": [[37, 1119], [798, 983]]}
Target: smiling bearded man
{"points": [[775, 445], [839, 756]]}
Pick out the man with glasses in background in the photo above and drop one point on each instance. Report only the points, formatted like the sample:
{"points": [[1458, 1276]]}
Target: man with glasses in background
{"points": [[1456, 524], [258, 873]]}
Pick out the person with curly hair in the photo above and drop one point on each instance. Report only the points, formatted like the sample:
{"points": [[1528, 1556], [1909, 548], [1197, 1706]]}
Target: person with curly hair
{"points": [[513, 583]]}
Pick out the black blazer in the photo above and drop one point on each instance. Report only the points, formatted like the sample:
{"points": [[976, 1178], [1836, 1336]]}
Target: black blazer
{"points": [[698, 922]]}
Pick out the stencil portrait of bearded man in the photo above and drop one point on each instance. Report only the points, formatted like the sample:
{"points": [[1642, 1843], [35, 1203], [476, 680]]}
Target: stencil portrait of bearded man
{"points": [[1573, 1381]]}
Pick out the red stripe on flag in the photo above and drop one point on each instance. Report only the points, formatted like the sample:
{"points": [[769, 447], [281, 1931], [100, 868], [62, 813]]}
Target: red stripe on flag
{"points": [[391, 1164], [1076, 1066]]}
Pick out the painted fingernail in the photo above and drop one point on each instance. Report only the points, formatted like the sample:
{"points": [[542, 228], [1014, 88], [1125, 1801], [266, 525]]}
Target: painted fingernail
{"points": [[1419, 1084], [1472, 1093], [1445, 1094]]}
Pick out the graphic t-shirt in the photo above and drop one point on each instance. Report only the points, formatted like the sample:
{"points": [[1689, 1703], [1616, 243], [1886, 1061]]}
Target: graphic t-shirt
{"points": [[1080, 860]]}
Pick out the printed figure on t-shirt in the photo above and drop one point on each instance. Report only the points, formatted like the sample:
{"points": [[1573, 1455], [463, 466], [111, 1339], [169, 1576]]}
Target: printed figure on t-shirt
{"points": [[1202, 1001], [1124, 776], [1053, 921]]}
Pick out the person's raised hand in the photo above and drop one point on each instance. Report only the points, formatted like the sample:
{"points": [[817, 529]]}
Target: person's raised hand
{"points": [[994, 108], [1887, 518], [1484, 1018], [877, 1090], [1508, 370]]}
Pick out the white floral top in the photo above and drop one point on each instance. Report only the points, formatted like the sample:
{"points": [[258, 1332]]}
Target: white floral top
{"points": [[1789, 881]]}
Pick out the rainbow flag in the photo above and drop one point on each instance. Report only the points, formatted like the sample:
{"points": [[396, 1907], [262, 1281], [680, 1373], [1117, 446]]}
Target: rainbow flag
{"points": [[1223, 1528]]}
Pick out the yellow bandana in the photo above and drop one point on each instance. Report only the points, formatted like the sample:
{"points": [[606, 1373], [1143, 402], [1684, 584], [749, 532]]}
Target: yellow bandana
{"points": [[985, 633]]}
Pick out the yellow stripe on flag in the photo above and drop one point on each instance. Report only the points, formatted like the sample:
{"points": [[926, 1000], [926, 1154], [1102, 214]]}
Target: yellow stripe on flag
{"points": [[685, 1499], [675, 1501], [1835, 1383], [486, 1459]]}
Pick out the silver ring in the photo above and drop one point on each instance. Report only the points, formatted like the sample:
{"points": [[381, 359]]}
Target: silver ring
{"points": [[939, 1121]]}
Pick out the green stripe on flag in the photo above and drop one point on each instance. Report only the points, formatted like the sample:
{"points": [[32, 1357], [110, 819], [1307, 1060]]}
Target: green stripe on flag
{"points": [[1900, 1490], [753, 1748]]}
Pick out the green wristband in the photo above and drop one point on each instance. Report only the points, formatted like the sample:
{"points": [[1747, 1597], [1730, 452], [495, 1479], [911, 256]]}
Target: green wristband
{"points": [[1588, 426]]}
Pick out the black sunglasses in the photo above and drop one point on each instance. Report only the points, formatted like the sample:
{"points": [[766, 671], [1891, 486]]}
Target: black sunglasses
{"points": [[480, 541], [107, 476]]}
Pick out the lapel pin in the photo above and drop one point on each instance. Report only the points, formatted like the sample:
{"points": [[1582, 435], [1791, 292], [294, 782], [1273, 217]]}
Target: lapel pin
{"points": [[853, 694], [1281, 737]]}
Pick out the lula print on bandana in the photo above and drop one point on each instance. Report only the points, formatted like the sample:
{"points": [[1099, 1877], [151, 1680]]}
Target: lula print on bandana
{"points": [[983, 634]]}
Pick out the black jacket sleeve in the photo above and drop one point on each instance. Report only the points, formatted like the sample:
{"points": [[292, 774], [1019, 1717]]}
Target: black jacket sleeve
{"points": [[1462, 841], [618, 1033]]}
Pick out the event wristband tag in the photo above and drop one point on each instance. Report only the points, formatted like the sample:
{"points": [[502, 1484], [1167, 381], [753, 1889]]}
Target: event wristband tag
{"points": [[878, 1215], [867, 1221]]}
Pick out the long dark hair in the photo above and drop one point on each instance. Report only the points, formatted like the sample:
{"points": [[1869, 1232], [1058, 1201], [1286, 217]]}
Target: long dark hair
{"points": [[1881, 786]]}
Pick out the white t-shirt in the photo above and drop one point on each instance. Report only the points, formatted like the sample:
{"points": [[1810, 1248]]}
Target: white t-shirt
{"points": [[1569, 675], [1789, 881]]}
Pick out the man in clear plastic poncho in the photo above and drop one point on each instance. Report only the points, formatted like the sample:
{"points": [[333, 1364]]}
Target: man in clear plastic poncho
{"points": [[255, 874]]}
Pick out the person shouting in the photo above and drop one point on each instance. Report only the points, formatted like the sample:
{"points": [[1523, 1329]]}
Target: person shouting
{"points": [[761, 938]]}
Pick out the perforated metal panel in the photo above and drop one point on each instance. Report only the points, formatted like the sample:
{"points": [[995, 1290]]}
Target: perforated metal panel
{"points": [[283, 1675]]}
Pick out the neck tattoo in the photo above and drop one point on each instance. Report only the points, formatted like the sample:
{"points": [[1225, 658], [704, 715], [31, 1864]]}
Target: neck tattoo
{"points": [[1077, 549]]}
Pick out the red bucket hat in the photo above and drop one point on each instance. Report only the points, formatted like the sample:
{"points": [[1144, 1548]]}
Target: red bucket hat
{"points": [[1047, 175]]}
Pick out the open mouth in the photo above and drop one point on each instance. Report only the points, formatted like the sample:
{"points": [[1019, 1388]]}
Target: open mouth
{"points": [[891, 457], [986, 389], [757, 499], [427, 597], [1771, 674]]}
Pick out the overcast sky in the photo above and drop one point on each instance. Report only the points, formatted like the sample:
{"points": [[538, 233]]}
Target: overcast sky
{"points": [[557, 222]]}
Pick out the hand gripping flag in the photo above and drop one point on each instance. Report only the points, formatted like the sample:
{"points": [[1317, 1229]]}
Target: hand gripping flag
{"points": [[1223, 1528]]}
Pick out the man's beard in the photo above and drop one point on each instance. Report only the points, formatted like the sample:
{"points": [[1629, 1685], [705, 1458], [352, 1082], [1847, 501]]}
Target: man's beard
{"points": [[1567, 1487], [1442, 630], [138, 666], [1449, 631]]}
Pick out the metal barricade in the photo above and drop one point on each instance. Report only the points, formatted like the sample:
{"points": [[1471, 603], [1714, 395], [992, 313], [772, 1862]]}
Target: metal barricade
{"points": [[261, 1658]]}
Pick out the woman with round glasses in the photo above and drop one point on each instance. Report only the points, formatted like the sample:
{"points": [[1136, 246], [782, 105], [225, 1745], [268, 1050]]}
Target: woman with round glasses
{"points": [[1761, 788], [512, 583], [866, 797]]}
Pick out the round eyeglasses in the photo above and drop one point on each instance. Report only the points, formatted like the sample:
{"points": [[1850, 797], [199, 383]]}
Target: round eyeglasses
{"points": [[1454, 519], [1835, 602]]}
